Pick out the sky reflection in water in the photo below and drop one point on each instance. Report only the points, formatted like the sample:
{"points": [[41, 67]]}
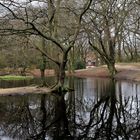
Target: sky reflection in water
{"points": [[96, 110]]}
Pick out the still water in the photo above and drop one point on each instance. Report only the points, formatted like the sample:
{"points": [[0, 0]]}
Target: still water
{"points": [[98, 109]]}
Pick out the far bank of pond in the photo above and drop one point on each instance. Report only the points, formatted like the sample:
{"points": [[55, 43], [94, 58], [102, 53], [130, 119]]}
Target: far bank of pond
{"points": [[129, 72], [126, 71]]}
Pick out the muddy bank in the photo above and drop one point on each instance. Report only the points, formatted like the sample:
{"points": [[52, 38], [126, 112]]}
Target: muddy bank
{"points": [[37, 73], [129, 75], [24, 90], [126, 71], [130, 72]]}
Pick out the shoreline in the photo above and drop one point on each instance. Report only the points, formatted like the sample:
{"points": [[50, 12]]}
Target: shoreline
{"points": [[23, 90], [130, 73], [125, 72], [127, 75]]}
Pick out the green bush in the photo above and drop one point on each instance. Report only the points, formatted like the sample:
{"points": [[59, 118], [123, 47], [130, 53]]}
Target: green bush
{"points": [[80, 65]]}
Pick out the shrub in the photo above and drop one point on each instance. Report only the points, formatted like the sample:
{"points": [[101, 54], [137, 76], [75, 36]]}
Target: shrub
{"points": [[79, 65]]}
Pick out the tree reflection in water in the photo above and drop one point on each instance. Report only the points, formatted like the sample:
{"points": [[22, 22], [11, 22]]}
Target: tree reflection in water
{"points": [[72, 116]]}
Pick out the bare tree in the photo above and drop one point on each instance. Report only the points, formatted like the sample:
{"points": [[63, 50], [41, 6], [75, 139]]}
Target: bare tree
{"points": [[105, 20], [44, 19]]}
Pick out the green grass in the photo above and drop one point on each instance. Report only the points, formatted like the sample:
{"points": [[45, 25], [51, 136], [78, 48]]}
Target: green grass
{"points": [[14, 77]]}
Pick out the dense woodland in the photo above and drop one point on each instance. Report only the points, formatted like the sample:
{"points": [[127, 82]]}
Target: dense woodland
{"points": [[59, 34]]}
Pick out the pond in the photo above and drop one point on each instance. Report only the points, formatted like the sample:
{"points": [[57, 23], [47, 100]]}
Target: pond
{"points": [[98, 109]]}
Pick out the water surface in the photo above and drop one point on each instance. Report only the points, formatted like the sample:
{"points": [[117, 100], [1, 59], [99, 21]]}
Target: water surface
{"points": [[98, 109]]}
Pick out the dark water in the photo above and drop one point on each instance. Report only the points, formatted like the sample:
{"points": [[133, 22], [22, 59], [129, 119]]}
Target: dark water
{"points": [[21, 83], [98, 109]]}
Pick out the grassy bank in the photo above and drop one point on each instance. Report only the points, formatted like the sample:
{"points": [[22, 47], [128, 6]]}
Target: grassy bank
{"points": [[14, 77]]}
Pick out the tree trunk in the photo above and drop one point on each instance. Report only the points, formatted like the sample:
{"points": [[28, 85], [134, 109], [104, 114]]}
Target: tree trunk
{"points": [[119, 53], [61, 76], [43, 77], [112, 69], [43, 65], [59, 88]]}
